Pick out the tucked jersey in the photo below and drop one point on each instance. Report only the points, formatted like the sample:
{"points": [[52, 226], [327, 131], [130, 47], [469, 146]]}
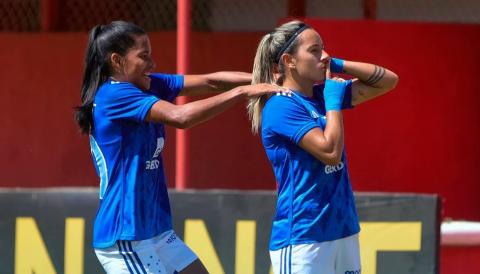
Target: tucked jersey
{"points": [[315, 201], [127, 152]]}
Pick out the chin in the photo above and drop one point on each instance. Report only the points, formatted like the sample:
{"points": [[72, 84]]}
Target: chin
{"points": [[145, 86]]}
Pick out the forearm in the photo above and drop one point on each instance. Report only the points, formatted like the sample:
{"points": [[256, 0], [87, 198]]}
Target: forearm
{"points": [[334, 135], [199, 111], [371, 75], [227, 80], [214, 82], [326, 146]]}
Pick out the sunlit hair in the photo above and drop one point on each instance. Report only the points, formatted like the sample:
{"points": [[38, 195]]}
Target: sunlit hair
{"points": [[265, 64]]}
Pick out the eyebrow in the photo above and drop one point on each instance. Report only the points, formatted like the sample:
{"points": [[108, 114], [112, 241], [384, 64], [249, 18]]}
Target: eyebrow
{"points": [[316, 45]]}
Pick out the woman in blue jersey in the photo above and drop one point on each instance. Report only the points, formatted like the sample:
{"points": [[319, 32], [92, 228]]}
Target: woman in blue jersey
{"points": [[315, 229], [124, 109]]}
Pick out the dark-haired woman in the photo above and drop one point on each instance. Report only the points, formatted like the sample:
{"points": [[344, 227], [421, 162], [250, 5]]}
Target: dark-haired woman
{"points": [[124, 109]]}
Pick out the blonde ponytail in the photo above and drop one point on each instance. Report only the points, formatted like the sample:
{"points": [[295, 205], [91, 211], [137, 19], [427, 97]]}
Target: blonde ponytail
{"points": [[265, 63], [262, 73]]}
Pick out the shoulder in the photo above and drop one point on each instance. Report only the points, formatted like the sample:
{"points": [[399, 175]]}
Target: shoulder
{"points": [[113, 89], [280, 107], [276, 101], [166, 78], [112, 86]]}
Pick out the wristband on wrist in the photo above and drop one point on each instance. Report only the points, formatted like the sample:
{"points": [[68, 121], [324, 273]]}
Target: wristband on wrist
{"points": [[336, 65], [333, 94]]}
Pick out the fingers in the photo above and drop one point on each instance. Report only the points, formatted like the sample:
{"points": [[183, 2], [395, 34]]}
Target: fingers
{"points": [[328, 73], [260, 89], [284, 92], [338, 79]]}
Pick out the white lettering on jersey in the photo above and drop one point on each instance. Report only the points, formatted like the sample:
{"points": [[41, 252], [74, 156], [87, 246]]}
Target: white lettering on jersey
{"points": [[160, 144], [314, 115], [331, 169], [153, 164]]}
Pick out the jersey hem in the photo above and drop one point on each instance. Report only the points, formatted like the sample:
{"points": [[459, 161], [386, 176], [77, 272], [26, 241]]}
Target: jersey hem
{"points": [[297, 242]]}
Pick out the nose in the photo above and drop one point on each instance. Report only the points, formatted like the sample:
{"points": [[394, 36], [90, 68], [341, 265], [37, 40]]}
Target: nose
{"points": [[325, 56], [152, 63]]}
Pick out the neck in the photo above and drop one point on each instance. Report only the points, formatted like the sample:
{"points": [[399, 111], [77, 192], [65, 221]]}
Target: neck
{"points": [[118, 77], [305, 87]]}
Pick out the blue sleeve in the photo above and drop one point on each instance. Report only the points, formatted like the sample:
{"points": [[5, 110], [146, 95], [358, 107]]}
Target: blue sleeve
{"points": [[166, 86], [126, 102], [347, 99], [285, 117]]}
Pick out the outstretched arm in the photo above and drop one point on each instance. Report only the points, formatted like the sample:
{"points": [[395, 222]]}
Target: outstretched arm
{"points": [[372, 80], [191, 114], [214, 82]]}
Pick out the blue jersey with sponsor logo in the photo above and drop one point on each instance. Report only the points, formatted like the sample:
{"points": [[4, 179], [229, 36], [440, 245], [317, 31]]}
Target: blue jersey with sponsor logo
{"points": [[134, 202], [315, 201]]}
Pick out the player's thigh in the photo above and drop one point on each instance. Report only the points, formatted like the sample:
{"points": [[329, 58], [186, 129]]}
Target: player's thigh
{"points": [[348, 257], [314, 258], [196, 267], [130, 257], [175, 255]]}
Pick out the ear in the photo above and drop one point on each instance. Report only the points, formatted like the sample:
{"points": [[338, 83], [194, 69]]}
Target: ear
{"points": [[116, 60], [289, 61]]}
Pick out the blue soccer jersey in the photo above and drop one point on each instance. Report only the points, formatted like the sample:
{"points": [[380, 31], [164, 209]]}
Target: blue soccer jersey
{"points": [[315, 201], [127, 150]]}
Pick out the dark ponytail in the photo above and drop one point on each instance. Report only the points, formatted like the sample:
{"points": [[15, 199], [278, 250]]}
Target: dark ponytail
{"points": [[116, 37], [92, 79]]}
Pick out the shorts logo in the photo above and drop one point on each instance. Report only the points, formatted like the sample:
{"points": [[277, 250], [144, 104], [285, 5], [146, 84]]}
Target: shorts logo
{"points": [[332, 169], [172, 238], [354, 272]]}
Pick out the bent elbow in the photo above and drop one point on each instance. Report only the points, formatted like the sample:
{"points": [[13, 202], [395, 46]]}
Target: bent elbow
{"points": [[184, 123], [178, 119], [393, 82], [333, 159]]}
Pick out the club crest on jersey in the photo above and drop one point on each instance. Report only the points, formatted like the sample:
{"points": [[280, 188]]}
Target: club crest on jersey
{"points": [[154, 163], [332, 169]]}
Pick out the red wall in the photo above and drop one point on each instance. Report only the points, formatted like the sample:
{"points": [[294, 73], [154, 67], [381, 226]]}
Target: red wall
{"points": [[422, 137]]}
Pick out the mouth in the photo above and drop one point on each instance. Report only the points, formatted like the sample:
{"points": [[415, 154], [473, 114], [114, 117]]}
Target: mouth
{"points": [[146, 75]]}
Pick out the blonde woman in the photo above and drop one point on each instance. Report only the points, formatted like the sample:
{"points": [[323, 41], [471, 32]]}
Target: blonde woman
{"points": [[315, 229]]}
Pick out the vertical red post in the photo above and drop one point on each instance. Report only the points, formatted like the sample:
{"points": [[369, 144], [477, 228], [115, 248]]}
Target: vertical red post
{"points": [[370, 9], [297, 8], [183, 57], [50, 11]]}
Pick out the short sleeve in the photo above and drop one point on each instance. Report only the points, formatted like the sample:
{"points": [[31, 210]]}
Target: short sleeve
{"points": [[286, 117], [347, 98], [126, 102], [166, 86]]}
